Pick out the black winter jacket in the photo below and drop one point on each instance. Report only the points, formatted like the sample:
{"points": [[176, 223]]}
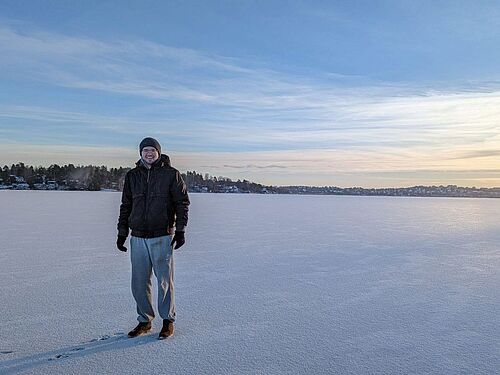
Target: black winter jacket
{"points": [[154, 200]]}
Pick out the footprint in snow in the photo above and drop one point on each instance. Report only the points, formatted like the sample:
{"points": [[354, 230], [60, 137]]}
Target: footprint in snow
{"points": [[79, 348], [66, 354], [106, 337]]}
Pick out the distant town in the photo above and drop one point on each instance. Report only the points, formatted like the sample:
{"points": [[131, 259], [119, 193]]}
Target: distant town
{"points": [[99, 178]]}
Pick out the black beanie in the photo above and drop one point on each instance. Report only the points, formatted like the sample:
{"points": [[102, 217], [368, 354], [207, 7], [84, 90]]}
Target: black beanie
{"points": [[150, 142]]}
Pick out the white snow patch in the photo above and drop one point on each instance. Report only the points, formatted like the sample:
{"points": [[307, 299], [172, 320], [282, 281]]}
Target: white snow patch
{"points": [[265, 284]]}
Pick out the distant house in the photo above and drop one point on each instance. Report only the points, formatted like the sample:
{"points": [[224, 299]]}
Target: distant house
{"points": [[47, 185], [51, 185], [17, 183], [16, 179], [20, 186], [230, 189]]}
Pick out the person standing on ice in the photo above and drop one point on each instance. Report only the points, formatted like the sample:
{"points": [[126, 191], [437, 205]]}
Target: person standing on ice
{"points": [[154, 202]]}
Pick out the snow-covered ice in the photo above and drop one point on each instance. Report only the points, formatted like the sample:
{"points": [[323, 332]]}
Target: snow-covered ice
{"points": [[266, 284]]}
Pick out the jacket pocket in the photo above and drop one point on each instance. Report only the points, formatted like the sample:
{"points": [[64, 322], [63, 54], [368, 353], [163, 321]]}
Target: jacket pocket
{"points": [[158, 211], [136, 218]]}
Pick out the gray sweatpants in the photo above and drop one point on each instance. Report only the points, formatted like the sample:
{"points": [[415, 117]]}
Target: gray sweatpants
{"points": [[146, 255]]}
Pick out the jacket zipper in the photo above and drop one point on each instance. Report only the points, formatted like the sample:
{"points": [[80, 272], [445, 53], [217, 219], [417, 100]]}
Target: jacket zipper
{"points": [[147, 202]]}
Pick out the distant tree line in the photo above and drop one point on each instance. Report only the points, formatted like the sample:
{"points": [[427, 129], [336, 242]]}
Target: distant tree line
{"points": [[90, 177], [69, 176]]}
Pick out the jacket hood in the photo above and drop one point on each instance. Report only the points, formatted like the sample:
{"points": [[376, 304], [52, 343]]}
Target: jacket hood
{"points": [[163, 161]]}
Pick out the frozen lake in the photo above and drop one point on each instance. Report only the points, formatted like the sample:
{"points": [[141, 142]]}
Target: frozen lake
{"points": [[265, 284]]}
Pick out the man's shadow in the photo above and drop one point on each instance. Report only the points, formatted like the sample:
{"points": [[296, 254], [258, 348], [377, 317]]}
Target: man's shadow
{"points": [[112, 342]]}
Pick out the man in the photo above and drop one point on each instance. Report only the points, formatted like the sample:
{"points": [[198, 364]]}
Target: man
{"points": [[154, 202]]}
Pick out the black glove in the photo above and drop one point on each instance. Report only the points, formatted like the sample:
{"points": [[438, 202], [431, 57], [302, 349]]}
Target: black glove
{"points": [[120, 242], [178, 239]]}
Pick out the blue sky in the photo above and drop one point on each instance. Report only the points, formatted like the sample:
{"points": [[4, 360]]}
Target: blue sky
{"points": [[346, 93]]}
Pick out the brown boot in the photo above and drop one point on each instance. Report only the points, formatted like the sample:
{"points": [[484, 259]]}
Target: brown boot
{"points": [[167, 330], [141, 329]]}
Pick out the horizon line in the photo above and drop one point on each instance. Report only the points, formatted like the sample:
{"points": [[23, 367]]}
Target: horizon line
{"points": [[284, 186]]}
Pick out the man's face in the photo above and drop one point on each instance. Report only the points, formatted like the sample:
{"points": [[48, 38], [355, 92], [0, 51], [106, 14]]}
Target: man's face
{"points": [[149, 154]]}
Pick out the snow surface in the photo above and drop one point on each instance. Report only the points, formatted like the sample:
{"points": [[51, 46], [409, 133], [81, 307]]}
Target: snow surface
{"points": [[266, 284]]}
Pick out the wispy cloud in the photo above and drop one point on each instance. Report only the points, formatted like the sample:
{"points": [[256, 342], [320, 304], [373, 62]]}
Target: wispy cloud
{"points": [[321, 124], [253, 166]]}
